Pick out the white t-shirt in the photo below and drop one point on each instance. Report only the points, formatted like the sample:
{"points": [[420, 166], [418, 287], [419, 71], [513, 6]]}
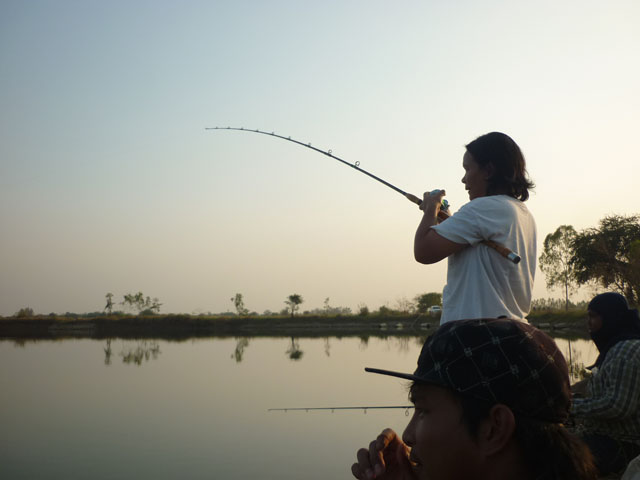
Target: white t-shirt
{"points": [[481, 283]]}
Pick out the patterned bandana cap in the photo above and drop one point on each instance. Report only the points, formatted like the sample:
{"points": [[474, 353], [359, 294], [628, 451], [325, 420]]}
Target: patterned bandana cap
{"points": [[497, 361]]}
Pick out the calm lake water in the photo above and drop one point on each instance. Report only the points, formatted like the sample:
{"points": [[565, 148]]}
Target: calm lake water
{"points": [[78, 409]]}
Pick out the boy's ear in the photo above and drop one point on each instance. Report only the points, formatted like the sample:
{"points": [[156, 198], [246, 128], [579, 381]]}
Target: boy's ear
{"points": [[497, 430]]}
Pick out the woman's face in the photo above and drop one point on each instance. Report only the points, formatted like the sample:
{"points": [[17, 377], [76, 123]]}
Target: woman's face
{"points": [[594, 321], [476, 178]]}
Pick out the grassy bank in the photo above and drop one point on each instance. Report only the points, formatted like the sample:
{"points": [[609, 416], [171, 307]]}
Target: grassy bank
{"points": [[185, 326], [564, 324]]}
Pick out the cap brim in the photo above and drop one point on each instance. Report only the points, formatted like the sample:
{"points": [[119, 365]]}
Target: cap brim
{"points": [[406, 376]]}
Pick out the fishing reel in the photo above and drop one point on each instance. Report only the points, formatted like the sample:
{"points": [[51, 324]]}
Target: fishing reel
{"points": [[444, 206]]}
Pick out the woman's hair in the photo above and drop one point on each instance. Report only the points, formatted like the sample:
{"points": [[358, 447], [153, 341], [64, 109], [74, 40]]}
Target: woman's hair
{"points": [[549, 450], [509, 174]]}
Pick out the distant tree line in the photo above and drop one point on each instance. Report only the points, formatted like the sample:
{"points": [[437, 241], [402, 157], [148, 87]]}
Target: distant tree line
{"points": [[419, 305], [145, 305]]}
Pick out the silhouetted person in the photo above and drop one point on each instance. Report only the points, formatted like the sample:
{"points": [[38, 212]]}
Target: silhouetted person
{"points": [[480, 282], [609, 412]]}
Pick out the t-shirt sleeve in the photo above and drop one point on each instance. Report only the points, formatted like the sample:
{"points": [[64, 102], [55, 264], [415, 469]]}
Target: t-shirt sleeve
{"points": [[480, 219]]}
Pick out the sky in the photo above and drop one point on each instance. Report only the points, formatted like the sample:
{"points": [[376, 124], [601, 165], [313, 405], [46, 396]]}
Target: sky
{"points": [[109, 181]]}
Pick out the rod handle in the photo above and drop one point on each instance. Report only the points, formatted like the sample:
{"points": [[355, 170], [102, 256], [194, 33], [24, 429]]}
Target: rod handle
{"points": [[413, 198], [504, 251]]}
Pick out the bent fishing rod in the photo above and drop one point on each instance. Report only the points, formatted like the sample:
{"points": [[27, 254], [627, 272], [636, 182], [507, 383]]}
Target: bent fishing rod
{"points": [[442, 214]]}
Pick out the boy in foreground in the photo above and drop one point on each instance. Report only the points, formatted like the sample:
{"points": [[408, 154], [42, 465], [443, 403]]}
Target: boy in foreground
{"points": [[490, 400]]}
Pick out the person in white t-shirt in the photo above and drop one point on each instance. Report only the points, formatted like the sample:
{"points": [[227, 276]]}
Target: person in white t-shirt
{"points": [[480, 282]]}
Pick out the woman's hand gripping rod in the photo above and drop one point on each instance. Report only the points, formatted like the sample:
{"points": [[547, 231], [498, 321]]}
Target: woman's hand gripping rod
{"points": [[442, 215]]}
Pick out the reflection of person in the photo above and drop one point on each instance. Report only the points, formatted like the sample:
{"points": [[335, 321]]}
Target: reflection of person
{"points": [[490, 397], [609, 413], [480, 282]]}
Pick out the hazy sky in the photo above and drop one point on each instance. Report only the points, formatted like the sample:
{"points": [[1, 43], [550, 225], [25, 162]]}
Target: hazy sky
{"points": [[109, 182]]}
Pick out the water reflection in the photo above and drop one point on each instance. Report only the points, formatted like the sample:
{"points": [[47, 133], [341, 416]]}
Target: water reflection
{"points": [[403, 344], [202, 419], [294, 352], [241, 344], [143, 351], [577, 368], [579, 353], [107, 353]]}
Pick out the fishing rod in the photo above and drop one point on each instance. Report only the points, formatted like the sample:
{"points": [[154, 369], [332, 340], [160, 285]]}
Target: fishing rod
{"points": [[308, 409], [442, 215]]}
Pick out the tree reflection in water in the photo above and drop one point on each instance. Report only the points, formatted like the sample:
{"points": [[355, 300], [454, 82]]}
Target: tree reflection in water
{"points": [[241, 344], [142, 352], [403, 344], [107, 353], [577, 369], [294, 352]]}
